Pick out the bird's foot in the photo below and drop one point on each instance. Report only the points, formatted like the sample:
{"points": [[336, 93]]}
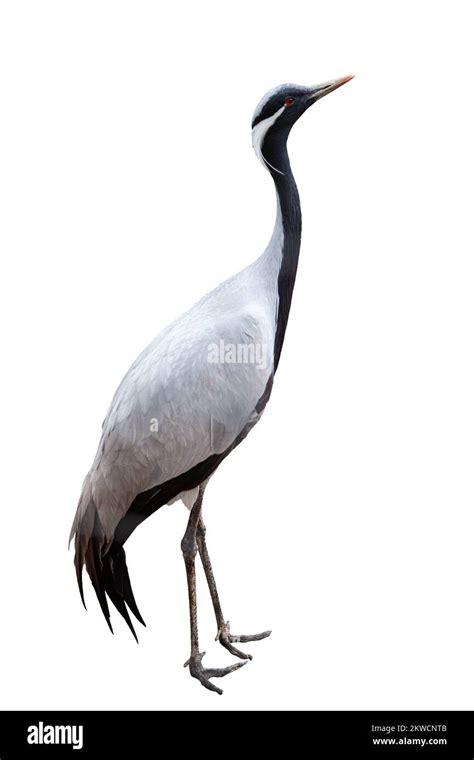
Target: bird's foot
{"points": [[227, 639], [204, 674]]}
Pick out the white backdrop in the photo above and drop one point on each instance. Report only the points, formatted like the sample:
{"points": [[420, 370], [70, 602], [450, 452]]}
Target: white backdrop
{"points": [[129, 188]]}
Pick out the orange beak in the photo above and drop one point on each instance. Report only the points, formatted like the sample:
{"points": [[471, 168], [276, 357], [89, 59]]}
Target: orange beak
{"points": [[320, 90]]}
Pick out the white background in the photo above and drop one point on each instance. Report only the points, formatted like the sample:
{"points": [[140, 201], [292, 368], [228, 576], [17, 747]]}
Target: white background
{"points": [[129, 188]]}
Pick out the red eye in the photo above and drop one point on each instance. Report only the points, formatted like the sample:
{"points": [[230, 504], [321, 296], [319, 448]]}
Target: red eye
{"points": [[289, 101]]}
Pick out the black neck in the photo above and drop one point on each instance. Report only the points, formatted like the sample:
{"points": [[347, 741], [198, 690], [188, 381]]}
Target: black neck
{"points": [[276, 154]]}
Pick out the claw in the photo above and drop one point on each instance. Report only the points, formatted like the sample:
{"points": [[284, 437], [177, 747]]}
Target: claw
{"points": [[227, 639], [204, 674]]}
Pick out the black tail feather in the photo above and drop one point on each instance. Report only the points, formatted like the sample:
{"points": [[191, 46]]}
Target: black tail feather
{"points": [[109, 575], [79, 576], [95, 569], [122, 580], [115, 597]]}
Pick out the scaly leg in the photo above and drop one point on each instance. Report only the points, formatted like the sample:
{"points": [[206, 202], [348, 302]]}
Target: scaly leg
{"points": [[226, 638], [189, 549]]}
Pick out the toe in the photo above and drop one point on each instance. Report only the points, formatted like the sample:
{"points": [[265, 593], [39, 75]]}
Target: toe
{"points": [[253, 637], [208, 685], [233, 650], [221, 672]]}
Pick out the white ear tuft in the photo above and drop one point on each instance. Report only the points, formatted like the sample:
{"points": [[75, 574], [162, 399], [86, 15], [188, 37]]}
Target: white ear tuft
{"points": [[258, 136]]}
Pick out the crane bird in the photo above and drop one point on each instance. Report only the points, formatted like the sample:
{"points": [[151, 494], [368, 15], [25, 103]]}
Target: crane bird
{"points": [[192, 396]]}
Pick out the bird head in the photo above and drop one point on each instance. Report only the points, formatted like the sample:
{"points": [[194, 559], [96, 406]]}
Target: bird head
{"points": [[278, 110]]}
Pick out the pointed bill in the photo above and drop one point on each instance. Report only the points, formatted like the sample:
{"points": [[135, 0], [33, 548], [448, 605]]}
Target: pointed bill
{"points": [[320, 90]]}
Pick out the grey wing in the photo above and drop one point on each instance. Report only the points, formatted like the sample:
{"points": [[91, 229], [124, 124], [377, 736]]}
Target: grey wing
{"points": [[187, 396]]}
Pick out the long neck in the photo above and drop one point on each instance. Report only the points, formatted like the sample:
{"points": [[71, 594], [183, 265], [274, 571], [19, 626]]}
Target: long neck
{"points": [[289, 221]]}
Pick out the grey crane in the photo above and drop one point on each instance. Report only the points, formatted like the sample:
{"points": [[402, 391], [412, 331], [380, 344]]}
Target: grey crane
{"points": [[192, 396]]}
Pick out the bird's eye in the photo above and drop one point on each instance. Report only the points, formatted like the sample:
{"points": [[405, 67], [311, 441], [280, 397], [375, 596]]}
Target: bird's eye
{"points": [[289, 101]]}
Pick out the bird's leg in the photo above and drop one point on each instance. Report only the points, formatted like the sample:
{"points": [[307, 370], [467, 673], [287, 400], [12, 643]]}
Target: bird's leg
{"points": [[226, 638], [189, 548]]}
